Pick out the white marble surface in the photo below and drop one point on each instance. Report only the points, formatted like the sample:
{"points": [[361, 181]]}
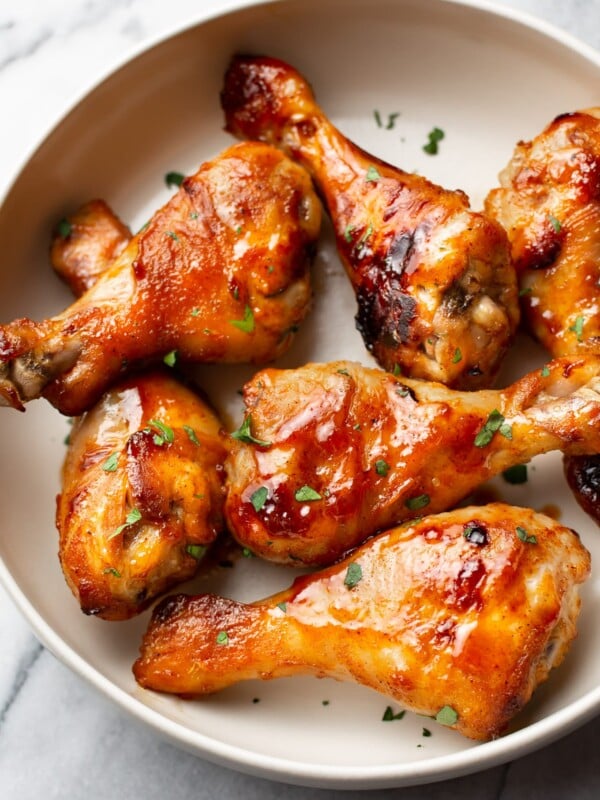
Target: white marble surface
{"points": [[58, 737]]}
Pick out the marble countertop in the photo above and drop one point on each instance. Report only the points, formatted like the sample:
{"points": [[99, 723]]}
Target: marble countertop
{"points": [[58, 736]]}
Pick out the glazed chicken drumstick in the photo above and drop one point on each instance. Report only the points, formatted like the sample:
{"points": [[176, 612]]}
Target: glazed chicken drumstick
{"points": [[220, 273], [142, 494], [458, 616], [434, 281], [331, 453], [549, 203]]}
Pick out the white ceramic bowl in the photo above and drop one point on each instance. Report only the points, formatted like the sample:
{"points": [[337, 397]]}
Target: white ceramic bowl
{"points": [[488, 78]]}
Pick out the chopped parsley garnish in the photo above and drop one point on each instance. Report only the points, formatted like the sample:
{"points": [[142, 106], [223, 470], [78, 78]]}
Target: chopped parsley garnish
{"points": [[131, 518], [372, 175], [353, 575], [199, 496], [524, 536], [377, 116], [247, 323], [365, 236], [170, 359], [446, 716], [577, 327], [112, 571], [197, 551], [306, 494], [545, 371], [194, 215], [173, 235], [222, 637], [282, 606], [415, 503], [195, 312], [495, 422], [525, 290], [516, 474], [259, 498], [64, 228], [426, 732], [111, 463], [343, 372], [397, 370], [392, 120], [348, 233], [382, 467], [388, 715], [239, 229], [191, 434], [247, 553], [174, 179], [165, 434], [457, 356], [555, 223], [435, 136], [244, 433]]}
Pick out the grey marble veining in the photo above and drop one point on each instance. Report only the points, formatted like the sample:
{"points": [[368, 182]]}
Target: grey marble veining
{"points": [[58, 737]]}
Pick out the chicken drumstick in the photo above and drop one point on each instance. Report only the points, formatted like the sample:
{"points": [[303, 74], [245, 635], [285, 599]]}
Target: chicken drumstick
{"points": [[219, 274], [458, 616], [434, 281], [331, 453]]}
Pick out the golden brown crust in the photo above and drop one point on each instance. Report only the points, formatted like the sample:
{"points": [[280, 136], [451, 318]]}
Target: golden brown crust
{"points": [[377, 449], [220, 274], [434, 282], [455, 610], [121, 461]]}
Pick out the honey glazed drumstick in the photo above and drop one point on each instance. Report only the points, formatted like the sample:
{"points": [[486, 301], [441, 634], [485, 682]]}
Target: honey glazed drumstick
{"points": [[457, 616]]}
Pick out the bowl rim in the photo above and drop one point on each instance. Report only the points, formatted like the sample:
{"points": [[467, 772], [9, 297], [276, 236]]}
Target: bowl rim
{"points": [[436, 768]]}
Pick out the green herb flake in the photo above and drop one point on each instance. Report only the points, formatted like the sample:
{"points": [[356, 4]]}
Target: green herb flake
{"points": [[306, 494], [525, 290], [415, 503], [222, 637], [324, 702], [372, 175], [282, 606], [244, 434], [555, 223], [447, 716], [457, 356], [197, 551], [353, 575], [524, 536], [194, 215], [111, 463], [545, 371], [64, 228], [377, 116], [577, 327], [435, 136], [397, 371], [112, 571], [174, 179], [348, 233], [493, 423], [259, 498], [199, 496], [516, 474], [131, 518], [172, 235], [170, 359], [247, 323], [365, 235], [392, 120], [165, 433], [247, 553], [343, 372], [239, 229], [382, 467], [195, 312], [505, 430], [191, 434], [426, 732], [389, 716]]}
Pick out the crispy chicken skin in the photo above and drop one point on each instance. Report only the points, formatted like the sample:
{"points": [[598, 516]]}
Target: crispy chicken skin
{"points": [[86, 243], [549, 203], [434, 282], [220, 274], [149, 452], [331, 453], [454, 612]]}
